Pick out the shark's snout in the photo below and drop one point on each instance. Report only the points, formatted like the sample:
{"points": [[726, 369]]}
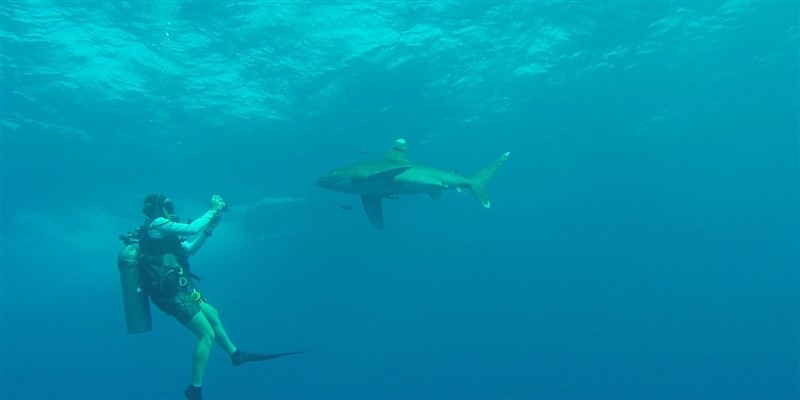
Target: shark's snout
{"points": [[327, 181]]}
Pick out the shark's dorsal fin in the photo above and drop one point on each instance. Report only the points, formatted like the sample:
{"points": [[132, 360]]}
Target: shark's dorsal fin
{"points": [[389, 173], [398, 151], [374, 210]]}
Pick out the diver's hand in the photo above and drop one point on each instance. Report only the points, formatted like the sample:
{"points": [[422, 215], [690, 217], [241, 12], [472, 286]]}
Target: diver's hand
{"points": [[218, 206]]}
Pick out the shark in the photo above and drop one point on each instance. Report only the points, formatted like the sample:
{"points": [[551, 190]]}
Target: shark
{"points": [[394, 175]]}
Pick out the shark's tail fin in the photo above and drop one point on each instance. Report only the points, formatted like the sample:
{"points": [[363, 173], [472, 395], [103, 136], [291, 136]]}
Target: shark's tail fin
{"points": [[479, 181]]}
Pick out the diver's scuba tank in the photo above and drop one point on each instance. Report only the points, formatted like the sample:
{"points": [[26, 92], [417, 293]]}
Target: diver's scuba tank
{"points": [[134, 298]]}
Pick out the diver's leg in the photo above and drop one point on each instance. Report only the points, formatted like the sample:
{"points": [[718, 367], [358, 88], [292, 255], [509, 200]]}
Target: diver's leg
{"points": [[200, 326], [221, 337]]}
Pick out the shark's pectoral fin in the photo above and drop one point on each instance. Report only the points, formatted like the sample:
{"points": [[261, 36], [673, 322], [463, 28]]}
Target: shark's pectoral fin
{"points": [[374, 210], [435, 195], [388, 174]]}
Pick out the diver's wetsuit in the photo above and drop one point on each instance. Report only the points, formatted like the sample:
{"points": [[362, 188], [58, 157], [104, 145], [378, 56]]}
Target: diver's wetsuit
{"points": [[167, 237]]}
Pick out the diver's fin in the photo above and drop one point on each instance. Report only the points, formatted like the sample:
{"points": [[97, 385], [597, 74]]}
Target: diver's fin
{"points": [[374, 210], [239, 357]]}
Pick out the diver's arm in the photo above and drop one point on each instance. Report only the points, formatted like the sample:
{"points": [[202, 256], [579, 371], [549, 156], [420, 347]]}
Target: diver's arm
{"points": [[166, 226], [191, 247]]}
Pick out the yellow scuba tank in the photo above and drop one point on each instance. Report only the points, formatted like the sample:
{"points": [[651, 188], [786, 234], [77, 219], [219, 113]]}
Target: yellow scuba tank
{"points": [[134, 298]]}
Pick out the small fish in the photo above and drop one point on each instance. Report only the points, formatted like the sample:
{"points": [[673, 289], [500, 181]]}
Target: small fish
{"points": [[346, 207], [364, 151], [392, 196]]}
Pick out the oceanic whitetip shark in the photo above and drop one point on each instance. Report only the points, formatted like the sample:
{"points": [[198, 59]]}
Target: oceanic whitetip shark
{"points": [[394, 175]]}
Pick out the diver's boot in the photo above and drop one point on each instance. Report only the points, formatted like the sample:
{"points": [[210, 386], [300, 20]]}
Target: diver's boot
{"points": [[239, 357], [193, 392]]}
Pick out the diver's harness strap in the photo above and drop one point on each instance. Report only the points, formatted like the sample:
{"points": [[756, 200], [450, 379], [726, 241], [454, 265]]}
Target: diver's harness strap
{"points": [[168, 272], [167, 276]]}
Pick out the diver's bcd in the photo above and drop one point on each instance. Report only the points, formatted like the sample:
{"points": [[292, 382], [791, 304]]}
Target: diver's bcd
{"points": [[134, 297]]}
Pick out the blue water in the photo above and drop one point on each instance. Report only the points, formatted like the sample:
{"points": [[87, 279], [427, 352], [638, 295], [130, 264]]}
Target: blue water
{"points": [[642, 240]]}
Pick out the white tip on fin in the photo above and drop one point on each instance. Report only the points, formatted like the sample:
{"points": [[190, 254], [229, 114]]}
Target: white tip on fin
{"points": [[398, 151]]}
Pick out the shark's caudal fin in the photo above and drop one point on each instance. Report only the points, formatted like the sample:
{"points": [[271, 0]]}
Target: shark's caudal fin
{"points": [[479, 181]]}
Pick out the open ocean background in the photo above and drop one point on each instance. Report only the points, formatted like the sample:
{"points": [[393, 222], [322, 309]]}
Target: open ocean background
{"points": [[642, 241]]}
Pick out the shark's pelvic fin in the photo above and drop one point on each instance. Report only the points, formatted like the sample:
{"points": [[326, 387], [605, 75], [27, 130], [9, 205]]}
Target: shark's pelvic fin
{"points": [[398, 151], [479, 181], [373, 208], [435, 195]]}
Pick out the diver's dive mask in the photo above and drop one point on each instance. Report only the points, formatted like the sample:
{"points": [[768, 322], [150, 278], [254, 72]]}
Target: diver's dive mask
{"points": [[169, 207], [158, 205]]}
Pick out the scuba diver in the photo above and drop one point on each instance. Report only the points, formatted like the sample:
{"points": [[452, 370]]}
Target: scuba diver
{"points": [[164, 251]]}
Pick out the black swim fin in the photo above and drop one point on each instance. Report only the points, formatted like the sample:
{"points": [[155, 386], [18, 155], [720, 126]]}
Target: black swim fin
{"points": [[239, 357]]}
